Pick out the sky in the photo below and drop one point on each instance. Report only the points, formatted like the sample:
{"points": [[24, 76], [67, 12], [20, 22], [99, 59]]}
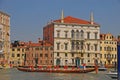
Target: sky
{"points": [[28, 17]]}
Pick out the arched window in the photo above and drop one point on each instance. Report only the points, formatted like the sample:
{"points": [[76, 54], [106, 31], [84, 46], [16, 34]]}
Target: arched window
{"points": [[82, 34], [72, 47], [77, 34], [72, 33], [77, 45]]}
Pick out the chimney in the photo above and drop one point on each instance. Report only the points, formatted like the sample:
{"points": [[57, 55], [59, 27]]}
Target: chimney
{"points": [[91, 18], [62, 17], [39, 40], [30, 42]]}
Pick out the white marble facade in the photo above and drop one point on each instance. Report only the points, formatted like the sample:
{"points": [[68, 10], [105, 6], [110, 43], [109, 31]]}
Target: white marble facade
{"points": [[72, 41]]}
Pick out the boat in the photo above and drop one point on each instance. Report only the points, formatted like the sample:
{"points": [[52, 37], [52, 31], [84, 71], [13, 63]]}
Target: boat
{"points": [[113, 74], [57, 70], [102, 68]]}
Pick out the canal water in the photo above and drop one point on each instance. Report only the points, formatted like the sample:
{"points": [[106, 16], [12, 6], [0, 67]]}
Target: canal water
{"points": [[14, 74]]}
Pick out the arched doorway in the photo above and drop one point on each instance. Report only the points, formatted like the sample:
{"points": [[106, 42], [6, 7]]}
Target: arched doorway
{"points": [[77, 61], [58, 62]]}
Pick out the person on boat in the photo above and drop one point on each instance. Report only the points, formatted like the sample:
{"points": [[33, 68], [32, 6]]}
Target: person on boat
{"points": [[84, 66]]}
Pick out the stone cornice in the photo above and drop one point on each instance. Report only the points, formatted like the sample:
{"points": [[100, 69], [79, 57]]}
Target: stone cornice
{"points": [[74, 24]]}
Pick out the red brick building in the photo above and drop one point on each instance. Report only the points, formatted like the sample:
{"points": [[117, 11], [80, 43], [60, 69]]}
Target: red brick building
{"points": [[39, 54]]}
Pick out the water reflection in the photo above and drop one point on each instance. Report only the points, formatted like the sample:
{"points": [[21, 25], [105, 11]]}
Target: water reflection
{"points": [[14, 74]]}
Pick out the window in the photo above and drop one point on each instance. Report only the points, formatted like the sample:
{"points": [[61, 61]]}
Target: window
{"points": [[41, 61], [88, 47], [36, 55], [81, 54], [72, 54], [112, 56], [66, 46], [41, 48], [18, 49], [51, 48], [112, 48], [77, 45], [46, 55], [72, 33], [82, 34], [18, 55], [22, 50], [13, 49], [81, 43], [46, 61], [77, 34], [72, 47], [95, 55], [88, 60], [46, 48], [58, 33], [41, 55], [36, 48], [58, 54], [108, 48], [115, 56], [51, 61], [27, 49], [51, 54], [105, 48], [72, 61], [96, 35], [100, 55], [66, 34], [100, 48], [58, 46], [88, 55], [88, 35], [105, 56], [13, 55], [65, 54], [95, 47], [23, 55]]}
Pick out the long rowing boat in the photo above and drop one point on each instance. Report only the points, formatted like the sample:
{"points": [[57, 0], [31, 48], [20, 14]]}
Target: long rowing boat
{"points": [[57, 70]]}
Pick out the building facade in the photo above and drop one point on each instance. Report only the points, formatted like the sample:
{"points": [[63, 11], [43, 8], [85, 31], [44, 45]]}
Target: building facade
{"points": [[75, 41], [39, 54], [17, 54], [4, 38], [108, 49]]}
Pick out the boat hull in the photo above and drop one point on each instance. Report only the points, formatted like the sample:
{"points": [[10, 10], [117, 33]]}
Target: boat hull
{"points": [[57, 70]]}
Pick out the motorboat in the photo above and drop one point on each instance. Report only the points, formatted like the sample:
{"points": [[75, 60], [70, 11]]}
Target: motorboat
{"points": [[102, 69], [113, 74]]}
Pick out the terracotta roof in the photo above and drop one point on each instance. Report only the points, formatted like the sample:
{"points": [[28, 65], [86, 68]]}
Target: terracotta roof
{"points": [[42, 43], [70, 19]]}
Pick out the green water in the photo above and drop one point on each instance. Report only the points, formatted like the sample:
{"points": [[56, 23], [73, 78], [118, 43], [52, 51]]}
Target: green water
{"points": [[14, 74]]}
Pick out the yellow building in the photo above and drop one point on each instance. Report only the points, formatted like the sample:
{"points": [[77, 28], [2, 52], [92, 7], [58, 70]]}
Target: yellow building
{"points": [[108, 49], [4, 38], [17, 54]]}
